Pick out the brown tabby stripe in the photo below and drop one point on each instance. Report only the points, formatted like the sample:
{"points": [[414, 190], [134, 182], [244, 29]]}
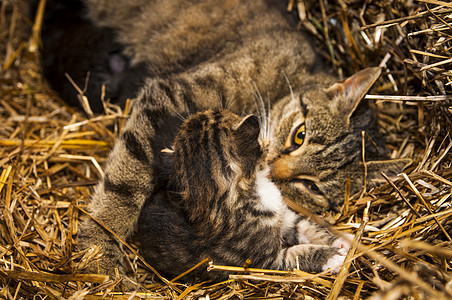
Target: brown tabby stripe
{"points": [[134, 146], [122, 189]]}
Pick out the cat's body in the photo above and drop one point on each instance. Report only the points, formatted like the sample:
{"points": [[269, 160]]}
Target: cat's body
{"points": [[248, 46], [243, 56]]}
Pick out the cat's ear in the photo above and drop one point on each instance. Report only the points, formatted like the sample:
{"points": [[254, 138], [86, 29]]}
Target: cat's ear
{"points": [[249, 127], [348, 93], [390, 167]]}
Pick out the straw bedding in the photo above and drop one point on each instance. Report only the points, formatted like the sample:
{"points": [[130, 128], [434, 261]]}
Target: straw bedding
{"points": [[51, 157]]}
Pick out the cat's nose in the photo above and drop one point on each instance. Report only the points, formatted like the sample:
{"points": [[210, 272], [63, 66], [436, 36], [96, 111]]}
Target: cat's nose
{"points": [[280, 169]]}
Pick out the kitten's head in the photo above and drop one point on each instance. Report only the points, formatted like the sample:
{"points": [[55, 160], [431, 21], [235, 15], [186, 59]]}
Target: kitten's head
{"points": [[216, 155], [316, 143]]}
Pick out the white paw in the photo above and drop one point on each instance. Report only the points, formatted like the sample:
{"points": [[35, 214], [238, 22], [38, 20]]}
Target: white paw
{"points": [[334, 263], [343, 243]]}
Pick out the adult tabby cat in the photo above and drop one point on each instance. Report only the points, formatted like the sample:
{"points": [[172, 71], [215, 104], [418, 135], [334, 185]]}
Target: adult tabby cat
{"points": [[201, 55]]}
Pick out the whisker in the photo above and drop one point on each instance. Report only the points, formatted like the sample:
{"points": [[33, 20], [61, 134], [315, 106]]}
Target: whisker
{"points": [[230, 104], [290, 87], [269, 111], [260, 109], [181, 117], [220, 101]]}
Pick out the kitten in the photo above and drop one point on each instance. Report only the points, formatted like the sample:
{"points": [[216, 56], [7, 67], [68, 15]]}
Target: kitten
{"points": [[230, 53], [220, 203]]}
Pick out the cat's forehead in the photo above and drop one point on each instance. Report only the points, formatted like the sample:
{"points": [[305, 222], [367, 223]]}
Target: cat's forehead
{"points": [[314, 98], [303, 105], [290, 113]]}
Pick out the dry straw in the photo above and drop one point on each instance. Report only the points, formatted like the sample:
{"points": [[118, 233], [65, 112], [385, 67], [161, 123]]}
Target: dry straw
{"points": [[51, 156]]}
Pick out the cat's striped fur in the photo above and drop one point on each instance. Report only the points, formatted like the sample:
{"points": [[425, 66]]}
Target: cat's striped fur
{"points": [[201, 55], [315, 171], [220, 203], [250, 52]]}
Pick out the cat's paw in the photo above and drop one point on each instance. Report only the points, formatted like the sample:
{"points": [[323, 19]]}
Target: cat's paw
{"points": [[343, 243], [334, 263]]}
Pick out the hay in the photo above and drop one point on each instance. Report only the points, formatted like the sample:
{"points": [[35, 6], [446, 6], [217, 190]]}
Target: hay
{"points": [[51, 156]]}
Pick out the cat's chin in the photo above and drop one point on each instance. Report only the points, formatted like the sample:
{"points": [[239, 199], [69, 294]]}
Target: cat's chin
{"points": [[269, 193]]}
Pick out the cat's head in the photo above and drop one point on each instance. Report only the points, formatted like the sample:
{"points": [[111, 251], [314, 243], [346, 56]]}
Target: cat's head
{"points": [[216, 155], [316, 143]]}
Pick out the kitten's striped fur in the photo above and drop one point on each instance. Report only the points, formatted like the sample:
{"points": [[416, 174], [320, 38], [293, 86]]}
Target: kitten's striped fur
{"points": [[220, 203]]}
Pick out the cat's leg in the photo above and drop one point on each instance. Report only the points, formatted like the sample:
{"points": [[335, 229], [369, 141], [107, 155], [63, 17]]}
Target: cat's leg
{"points": [[129, 176], [120, 195], [297, 229], [311, 258]]}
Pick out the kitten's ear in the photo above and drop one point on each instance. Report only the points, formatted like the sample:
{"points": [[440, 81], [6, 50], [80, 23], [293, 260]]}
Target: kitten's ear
{"points": [[249, 127], [390, 167], [349, 92]]}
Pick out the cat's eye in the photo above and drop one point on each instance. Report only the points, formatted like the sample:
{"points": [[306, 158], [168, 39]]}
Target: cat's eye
{"points": [[310, 186], [313, 187], [295, 139], [298, 136]]}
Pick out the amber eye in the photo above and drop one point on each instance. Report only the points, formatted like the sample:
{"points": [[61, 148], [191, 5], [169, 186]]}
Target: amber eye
{"points": [[298, 136]]}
